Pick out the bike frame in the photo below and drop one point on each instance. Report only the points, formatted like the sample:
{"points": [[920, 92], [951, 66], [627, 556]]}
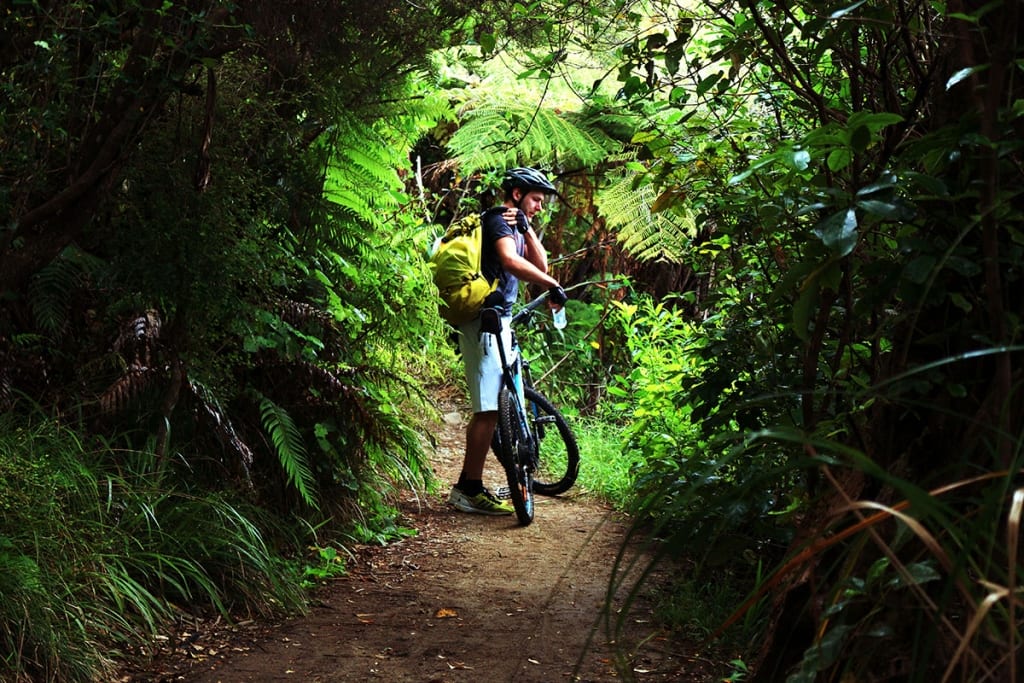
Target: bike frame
{"points": [[517, 376], [514, 375], [523, 414]]}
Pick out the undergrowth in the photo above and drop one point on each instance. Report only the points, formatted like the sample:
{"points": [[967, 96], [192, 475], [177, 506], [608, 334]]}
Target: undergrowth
{"points": [[606, 465], [97, 554]]}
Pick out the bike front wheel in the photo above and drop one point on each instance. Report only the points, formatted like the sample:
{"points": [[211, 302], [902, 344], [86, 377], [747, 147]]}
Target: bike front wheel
{"points": [[557, 459], [515, 445]]}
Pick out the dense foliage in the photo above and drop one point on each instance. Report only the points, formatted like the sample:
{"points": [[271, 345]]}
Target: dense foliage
{"points": [[208, 273], [793, 230], [857, 171]]}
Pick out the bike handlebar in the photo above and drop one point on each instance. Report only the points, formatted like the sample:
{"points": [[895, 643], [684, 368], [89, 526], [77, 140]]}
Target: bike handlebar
{"points": [[529, 308]]}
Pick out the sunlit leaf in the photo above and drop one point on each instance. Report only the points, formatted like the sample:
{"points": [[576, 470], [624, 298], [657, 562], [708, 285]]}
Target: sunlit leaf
{"points": [[800, 159], [487, 43], [964, 74], [839, 14]]}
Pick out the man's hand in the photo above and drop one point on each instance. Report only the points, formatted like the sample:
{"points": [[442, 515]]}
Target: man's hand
{"points": [[511, 216]]}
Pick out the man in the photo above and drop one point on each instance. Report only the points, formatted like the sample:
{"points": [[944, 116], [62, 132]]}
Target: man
{"points": [[511, 252]]}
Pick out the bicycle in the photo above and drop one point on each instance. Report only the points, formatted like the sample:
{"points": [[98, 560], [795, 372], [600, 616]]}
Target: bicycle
{"points": [[532, 463]]}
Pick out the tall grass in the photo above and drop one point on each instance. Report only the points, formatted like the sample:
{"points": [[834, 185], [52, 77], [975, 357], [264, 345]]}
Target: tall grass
{"points": [[607, 465], [910, 583], [926, 586], [98, 552]]}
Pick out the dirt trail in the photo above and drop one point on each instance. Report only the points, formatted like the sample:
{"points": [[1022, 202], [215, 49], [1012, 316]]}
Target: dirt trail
{"points": [[470, 598]]}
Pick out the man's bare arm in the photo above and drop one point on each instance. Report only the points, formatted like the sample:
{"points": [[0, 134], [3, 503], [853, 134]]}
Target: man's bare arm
{"points": [[522, 268]]}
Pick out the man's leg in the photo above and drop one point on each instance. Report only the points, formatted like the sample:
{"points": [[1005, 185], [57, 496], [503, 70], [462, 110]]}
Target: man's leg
{"points": [[479, 432], [469, 494], [483, 377]]}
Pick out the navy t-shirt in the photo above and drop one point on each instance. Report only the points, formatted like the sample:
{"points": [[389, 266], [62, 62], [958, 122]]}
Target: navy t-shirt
{"points": [[495, 228]]}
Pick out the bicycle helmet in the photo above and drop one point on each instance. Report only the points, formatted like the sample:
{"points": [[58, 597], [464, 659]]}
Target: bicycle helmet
{"points": [[528, 180]]}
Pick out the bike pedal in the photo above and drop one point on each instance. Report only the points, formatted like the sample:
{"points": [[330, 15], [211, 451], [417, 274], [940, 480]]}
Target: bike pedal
{"points": [[502, 493]]}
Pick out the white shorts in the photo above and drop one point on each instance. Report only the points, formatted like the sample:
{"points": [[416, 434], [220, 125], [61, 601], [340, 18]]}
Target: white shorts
{"points": [[483, 364]]}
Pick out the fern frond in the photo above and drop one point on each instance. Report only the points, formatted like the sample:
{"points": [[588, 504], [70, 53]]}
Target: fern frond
{"points": [[644, 234], [498, 133], [300, 312], [291, 451], [49, 293], [50, 289], [222, 426], [127, 388], [361, 177], [422, 110]]}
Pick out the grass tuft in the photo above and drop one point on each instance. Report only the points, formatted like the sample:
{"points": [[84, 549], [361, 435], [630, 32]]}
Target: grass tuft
{"points": [[96, 557]]}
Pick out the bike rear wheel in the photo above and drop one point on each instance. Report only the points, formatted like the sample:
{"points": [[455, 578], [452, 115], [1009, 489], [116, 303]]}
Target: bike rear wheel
{"points": [[558, 455], [514, 453]]}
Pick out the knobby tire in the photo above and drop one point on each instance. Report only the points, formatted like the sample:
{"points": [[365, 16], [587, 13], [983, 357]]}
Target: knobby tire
{"points": [[513, 441], [558, 455]]}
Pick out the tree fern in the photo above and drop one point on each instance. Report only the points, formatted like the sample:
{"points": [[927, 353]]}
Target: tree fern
{"points": [[361, 179], [645, 234], [291, 451], [500, 132]]}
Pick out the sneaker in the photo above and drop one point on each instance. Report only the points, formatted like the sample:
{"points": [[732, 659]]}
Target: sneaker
{"points": [[483, 503]]}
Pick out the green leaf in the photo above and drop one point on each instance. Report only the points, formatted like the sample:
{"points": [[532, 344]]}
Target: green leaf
{"points": [[839, 232], [961, 302], [928, 183], [917, 573], [800, 159], [656, 41], [811, 208], [783, 155], [892, 211], [291, 451], [886, 183], [877, 569], [918, 270], [674, 56], [821, 655], [875, 121], [803, 309], [632, 86], [708, 83], [860, 138], [839, 159], [487, 43]]}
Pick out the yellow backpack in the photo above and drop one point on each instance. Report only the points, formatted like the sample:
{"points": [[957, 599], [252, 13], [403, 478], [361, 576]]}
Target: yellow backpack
{"points": [[455, 265]]}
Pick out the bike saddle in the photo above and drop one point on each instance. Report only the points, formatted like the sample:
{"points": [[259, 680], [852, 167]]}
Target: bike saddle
{"points": [[490, 320]]}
